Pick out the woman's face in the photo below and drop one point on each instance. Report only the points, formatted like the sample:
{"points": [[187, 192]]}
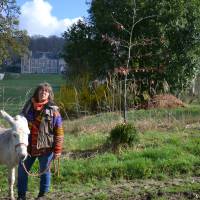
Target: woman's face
{"points": [[43, 95]]}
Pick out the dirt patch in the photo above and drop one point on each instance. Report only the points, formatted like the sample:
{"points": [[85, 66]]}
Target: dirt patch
{"points": [[165, 101], [138, 190], [172, 189]]}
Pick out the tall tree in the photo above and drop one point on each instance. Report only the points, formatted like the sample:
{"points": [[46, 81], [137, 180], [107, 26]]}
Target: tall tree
{"points": [[12, 40], [84, 50], [174, 30], [173, 34]]}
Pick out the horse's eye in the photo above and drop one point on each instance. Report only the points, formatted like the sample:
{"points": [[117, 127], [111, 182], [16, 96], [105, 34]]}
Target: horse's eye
{"points": [[15, 135]]}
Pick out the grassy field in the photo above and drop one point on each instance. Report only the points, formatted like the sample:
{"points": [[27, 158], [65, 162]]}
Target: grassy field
{"points": [[165, 164], [16, 88]]}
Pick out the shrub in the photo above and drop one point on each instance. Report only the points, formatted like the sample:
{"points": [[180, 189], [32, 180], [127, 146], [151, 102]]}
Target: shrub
{"points": [[123, 135], [66, 99], [75, 101]]}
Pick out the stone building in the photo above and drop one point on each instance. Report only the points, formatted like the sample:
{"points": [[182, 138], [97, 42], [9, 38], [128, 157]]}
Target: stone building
{"points": [[42, 62]]}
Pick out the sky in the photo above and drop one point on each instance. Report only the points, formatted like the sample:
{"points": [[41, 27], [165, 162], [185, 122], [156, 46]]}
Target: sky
{"points": [[50, 17]]}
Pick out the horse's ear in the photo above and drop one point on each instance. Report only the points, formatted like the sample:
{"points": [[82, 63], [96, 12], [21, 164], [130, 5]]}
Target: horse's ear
{"points": [[7, 117]]}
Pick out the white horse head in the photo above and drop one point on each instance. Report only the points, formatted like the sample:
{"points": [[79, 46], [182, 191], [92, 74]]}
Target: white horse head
{"points": [[20, 132]]}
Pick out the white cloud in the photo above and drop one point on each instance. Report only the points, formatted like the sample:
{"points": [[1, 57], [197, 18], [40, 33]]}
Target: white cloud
{"points": [[37, 19]]}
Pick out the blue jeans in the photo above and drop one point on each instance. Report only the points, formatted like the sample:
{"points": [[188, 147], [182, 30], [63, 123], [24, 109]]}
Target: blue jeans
{"points": [[22, 184]]}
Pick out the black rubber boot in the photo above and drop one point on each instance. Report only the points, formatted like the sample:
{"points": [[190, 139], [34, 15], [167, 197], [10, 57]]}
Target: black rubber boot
{"points": [[41, 196], [21, 197]]}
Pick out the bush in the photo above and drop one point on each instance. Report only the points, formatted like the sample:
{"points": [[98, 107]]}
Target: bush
{"points": [[123, 135], [81, 98]]}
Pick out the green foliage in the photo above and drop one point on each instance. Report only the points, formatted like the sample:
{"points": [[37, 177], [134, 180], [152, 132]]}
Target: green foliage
{"points": [[123, 134], [45, 44], [165, 37], [82, 101], [12, 40], [82, 48], [84, 98], [66, 98]]}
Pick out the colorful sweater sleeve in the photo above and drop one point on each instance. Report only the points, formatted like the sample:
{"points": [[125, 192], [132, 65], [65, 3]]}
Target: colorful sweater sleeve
{"points": [[58, 133]]}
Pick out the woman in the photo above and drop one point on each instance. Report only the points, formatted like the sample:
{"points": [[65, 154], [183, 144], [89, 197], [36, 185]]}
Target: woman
{"points": [[46, 138]]}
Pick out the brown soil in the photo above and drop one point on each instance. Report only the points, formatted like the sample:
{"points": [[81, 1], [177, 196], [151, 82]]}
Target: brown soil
{"points": [[136, 190], [132, 190]]}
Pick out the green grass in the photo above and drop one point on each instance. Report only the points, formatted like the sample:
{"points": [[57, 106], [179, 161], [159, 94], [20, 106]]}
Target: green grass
{"points": [[168, 161], [160, 155], [31, 79], [83, 141], [171, 114], [15, 89], [166, 150]]}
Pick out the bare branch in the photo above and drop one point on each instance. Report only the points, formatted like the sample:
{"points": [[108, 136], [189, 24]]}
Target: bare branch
{"points": [[148, 17], [120, 24]]}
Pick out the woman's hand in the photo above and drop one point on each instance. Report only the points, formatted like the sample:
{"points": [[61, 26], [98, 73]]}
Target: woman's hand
{"points": [[56, 156]]}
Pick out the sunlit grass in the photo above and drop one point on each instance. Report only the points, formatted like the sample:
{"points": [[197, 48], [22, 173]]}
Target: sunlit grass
{"points": [[16, 89], [166, 150]]}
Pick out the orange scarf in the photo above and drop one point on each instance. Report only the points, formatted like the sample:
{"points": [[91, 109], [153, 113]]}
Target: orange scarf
{"points": [[39, 105]]}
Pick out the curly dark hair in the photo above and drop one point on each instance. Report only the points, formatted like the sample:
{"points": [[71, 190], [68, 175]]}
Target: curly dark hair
{"points": [[43, 86]]}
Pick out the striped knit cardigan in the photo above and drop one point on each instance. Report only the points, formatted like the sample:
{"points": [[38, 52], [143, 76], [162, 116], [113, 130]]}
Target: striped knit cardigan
{"points": [[34, 118]]}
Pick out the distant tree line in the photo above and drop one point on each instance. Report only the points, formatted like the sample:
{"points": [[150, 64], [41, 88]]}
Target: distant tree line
{"points": [[15, 42], [46, 44], [40, 43]]}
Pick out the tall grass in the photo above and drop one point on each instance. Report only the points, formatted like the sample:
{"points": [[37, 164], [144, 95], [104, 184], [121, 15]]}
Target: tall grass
{"points": [[159, 119]]}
